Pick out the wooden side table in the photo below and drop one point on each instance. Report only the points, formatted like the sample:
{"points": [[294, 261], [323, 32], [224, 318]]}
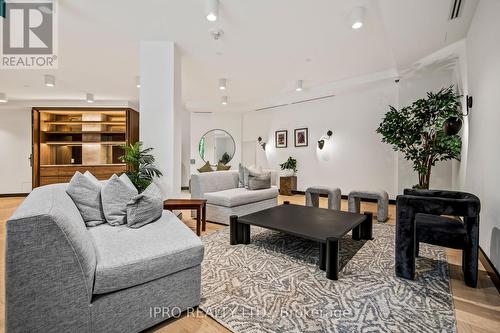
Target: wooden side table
{"points": [[288, 185], [196, 204]]}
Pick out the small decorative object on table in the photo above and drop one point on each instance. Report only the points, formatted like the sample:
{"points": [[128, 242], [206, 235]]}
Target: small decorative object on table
{"points": [[288, 180], [199, 205]]}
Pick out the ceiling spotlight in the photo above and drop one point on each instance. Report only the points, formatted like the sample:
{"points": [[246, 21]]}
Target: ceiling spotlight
{"points": [[138, 81], [90, 98], [224, 100], [222, 84], [300, 85], [212, 10], [50, 80], [3, 98], [357, 17]]}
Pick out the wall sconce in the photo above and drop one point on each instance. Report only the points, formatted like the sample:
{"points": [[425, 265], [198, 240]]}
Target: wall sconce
{"points": [[262, 144], [321, 142]]}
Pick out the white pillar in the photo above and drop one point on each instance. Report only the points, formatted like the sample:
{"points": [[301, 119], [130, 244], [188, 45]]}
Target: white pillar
{"points": [[160, 110]]}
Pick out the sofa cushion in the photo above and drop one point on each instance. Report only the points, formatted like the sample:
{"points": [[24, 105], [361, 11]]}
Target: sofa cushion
{"points": [[145, 208], [127, 257], [85, 191], [260, 182], [240, 196], [115, 195]]}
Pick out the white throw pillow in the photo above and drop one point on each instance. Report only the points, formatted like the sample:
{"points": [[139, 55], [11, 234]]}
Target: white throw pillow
{"points": [[115, 195], [85, 191]]}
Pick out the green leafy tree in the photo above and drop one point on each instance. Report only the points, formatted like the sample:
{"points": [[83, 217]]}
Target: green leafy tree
{"points": [[417, 132], [141, 165]]}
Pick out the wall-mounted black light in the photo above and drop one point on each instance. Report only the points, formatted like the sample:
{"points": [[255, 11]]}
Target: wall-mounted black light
{"points": [[321, 142], [453, 125], [262, 144]]}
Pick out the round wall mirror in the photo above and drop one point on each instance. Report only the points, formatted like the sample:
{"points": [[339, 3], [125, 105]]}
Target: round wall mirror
{"points": [[217, 146]]}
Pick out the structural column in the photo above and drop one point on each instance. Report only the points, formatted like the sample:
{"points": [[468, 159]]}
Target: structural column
{"points": [[161, 110]]}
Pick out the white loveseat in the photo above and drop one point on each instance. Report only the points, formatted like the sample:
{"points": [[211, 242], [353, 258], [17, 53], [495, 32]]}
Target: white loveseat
{"points": [[225, 197]]}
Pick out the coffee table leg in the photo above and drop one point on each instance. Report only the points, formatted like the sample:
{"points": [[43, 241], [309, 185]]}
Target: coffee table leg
{"points": [[367, 227], [204, 218], [332, 259], [244, 233], [198, 220], [322, 256], [356, 233], [234, 230]]}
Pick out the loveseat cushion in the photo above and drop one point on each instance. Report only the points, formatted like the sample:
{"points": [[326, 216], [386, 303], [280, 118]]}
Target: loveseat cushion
{"points": [[240, 196], [128, 257]]}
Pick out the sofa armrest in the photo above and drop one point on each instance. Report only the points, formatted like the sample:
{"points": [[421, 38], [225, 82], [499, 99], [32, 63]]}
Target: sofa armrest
{"points": [[425, 203]]}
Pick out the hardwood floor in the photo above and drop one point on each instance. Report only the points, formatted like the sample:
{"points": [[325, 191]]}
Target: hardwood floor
{"points": [[476, 310]]}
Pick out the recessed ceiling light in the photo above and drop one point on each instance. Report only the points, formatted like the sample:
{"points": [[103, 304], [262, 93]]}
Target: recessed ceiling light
{"points": [[357, 17], [138, 81], [3, 98], [212, 10], [222, 84], [50, 80], [300, 85], [90, 98], [224, 100]]}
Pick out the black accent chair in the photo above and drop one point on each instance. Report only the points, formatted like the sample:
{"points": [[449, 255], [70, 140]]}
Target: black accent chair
{"points": [[419, 219]]}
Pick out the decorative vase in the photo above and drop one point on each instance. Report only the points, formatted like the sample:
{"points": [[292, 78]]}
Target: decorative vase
{"points": [[287, 173], [452, 125]]}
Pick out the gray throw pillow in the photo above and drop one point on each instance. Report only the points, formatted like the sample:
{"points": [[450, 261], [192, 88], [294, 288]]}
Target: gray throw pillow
{"points": [[259, 182], [145, 208], [250, 171], [115, 195], [241, 176], [85, 191]]}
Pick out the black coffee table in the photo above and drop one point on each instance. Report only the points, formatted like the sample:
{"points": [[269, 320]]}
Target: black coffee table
{"points": [[325, 226]]}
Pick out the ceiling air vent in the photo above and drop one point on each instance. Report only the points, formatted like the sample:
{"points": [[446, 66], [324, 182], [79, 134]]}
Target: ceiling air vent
{"points": [[313, 99], [456, 9]]}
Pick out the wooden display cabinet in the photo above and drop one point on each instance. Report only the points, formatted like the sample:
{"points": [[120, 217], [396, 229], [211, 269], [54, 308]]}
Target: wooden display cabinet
{"points": [[66, 140]]}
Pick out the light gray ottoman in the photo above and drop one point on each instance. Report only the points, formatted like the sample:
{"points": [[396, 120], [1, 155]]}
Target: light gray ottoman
{"points": [[382, 198], [334, 196]]}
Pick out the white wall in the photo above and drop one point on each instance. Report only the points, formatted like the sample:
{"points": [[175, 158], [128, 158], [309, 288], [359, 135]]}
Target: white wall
{"points": [[203, 122], [409, 91], [354, 158], [483, 162], [15, 148]]}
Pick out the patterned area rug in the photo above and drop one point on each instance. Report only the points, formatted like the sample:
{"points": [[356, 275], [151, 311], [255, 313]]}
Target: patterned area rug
{"points": [[275, 285]]}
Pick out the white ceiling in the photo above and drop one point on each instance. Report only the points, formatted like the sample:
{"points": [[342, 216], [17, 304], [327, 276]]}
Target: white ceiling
{"points": [[267, 45]]}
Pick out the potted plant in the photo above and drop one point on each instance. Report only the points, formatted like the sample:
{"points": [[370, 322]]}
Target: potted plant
{"points": [[140, 164], [289, 167], [418, 131]]}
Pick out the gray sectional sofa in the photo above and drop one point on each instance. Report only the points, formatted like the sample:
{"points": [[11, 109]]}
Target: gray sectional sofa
{"points": [[64, 277], [225, 197]]}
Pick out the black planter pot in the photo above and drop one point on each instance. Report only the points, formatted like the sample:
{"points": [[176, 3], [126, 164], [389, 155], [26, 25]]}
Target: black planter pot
{"points": [[452, 125]]}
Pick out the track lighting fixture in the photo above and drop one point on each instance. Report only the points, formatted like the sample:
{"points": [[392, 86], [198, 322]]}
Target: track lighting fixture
{"points": [[212, 10], [90, 98], [50, 80], [357, 17], [300, 85], [222, 84], [321, 142], [224, 100]]}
